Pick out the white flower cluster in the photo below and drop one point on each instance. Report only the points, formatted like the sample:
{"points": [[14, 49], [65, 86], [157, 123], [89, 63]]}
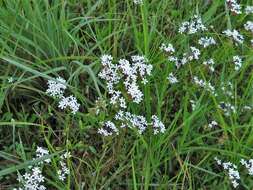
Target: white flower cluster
{"points": [[125, 72], [40, 152], [212, 124], [168, 48], [248, 164], [238, 62], [210, 64], [206, 41], [193, 104], [131, 121], [108, 129], [157, 125], [33, 179], [63, 171], [193, 26], [10, 80], [227, 108], [138, 2], [227, 89], [69, 102], [249, 26], [204, 84], [56, 89], [193, 54], [234, 6], [249, 10], [236, 36], [172, 79], [233, 173]]}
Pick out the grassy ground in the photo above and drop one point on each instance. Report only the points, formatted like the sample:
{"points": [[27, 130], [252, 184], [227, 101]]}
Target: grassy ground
{"points": [[43, 39]]}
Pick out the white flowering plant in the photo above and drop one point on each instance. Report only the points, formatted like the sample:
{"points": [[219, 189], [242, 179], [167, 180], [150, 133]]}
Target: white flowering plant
{"points": [[146, 94]]}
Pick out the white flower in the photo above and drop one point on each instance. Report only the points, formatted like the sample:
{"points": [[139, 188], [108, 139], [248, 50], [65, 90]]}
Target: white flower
{"points": [[40, 152], [249, 10], [195, 53], [206, 41], [212, 124], [203, 84], [232, 171], [128, 73], [193, 104], [248, 164], [227, 108], [238, 62], [249, 26], [69, 102], [138, 2], [10, 80], [234, 6], [158, 126], [194, 26], [168, 48], [172, 79], [63, 171], [56, 87], [210, 64], [32, 180], [236, 36], [108, 129], [132, 121]]}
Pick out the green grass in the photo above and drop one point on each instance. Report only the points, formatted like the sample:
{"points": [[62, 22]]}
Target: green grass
{"points": [[42, 39]]}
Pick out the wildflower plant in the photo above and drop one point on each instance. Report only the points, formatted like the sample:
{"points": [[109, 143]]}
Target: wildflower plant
{"points": [[161, 87]]}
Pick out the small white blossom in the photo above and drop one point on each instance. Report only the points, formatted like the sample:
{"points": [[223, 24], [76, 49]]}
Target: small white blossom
{"points": [[40, 152], [232, 171], [238, 62], [227, 108], [195, 53], [56, 87], [206, 41], [203, 84], [247, 107], [193, 104], [210, 64], [234, 6], [158, 126], [249, 10], [132, 121], [63, 171], [248, 164], [236, 36], [108, 129], [249, 26], [168, 48], [172, 79], [32, 180], [212, 124], [127, 72], [69, 102], [193, 26], [10, 80], [138, 2]]}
